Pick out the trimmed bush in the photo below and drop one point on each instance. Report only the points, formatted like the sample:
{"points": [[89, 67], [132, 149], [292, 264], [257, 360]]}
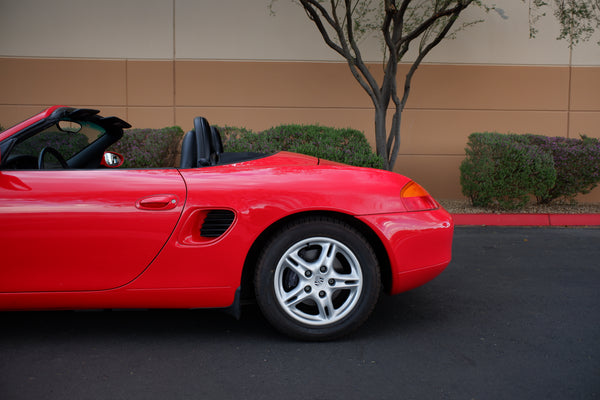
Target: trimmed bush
{"points": [[577, 164], [346, 146], [504, 170], [232, 132], [149, 148]]}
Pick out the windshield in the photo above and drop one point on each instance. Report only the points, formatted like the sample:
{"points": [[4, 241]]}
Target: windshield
{"points": [[67, 143]]}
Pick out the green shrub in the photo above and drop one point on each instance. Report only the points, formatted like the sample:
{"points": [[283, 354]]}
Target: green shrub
{"points": [[504, 170], [228, 132], [577, 164], [149, 148], [347, 146]]}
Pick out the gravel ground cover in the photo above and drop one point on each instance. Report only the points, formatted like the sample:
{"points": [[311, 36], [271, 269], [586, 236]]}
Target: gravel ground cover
{"points": [[465, 207]]}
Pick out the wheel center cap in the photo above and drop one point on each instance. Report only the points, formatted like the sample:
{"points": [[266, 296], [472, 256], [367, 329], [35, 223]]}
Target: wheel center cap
{"points": [[319, 280]]}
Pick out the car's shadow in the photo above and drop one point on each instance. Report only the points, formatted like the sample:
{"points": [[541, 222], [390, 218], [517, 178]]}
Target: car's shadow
{"points": [[129, 323], [392, 314]]}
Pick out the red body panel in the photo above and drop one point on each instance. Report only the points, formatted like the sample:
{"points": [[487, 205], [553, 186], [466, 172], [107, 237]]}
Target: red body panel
{"points": [[260, 196], [118, 238], [419, 245], [81, 230]]}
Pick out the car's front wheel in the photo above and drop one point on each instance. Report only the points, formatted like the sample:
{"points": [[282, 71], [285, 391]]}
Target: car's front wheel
{"points": [[317, 279]]}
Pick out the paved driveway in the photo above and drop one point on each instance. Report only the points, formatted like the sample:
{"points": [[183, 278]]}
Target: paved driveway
{"points": [[516, 316]]}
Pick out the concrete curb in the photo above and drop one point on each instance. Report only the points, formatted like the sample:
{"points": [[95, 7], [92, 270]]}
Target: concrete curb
{"points": [[527, 219]]}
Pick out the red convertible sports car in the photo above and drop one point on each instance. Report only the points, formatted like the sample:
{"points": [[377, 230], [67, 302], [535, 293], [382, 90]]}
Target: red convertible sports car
{"points": [[312, 241]]}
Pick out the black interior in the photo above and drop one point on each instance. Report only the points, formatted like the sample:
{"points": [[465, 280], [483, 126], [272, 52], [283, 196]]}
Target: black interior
{"points": [[203, 147]]}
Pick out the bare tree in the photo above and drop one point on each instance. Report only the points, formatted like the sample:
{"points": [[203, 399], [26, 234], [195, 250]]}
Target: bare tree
{"points": [[420, 24]]}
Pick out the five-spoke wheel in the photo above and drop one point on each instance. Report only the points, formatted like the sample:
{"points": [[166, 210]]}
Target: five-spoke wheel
{"points": [[317, 279]]}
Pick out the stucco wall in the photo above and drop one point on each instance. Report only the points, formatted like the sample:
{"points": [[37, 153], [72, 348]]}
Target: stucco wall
{"points": [[162, 62]]}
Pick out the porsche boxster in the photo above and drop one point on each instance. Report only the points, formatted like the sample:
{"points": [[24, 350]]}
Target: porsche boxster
{"points": [[313, 242]]}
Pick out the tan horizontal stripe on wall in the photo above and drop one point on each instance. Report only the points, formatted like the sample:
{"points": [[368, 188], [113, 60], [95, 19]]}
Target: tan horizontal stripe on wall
{"points": [[50, 81], [283, 84]]}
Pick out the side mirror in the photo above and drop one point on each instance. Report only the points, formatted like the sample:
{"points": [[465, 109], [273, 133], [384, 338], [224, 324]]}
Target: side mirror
{"points": [[112, 159]]}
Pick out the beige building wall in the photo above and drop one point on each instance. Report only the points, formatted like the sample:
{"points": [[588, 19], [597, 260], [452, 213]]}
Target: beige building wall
{"points": [[162, 62]]}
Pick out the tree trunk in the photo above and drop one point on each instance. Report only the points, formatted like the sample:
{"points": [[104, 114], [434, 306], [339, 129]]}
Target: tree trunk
{"points": [[381, 135], [393, 147]]}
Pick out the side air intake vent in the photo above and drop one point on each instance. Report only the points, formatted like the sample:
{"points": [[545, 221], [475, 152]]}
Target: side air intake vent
{"points": [[216, 223]]}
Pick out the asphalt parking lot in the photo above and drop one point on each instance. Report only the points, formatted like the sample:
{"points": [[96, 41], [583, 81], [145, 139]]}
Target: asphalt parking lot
{"points": [[515, 316]]}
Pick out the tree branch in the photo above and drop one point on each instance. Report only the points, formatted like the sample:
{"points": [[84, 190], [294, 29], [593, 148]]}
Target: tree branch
{"points": [[360, 64], [315, 10], [314, 16], [461, 5]]}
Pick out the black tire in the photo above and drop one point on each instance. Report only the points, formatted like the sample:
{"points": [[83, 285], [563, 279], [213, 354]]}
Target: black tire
{"points": [[317, 279]]}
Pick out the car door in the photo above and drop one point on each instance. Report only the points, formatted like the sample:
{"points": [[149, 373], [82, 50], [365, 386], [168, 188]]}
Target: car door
{"points": [[81, 230]]}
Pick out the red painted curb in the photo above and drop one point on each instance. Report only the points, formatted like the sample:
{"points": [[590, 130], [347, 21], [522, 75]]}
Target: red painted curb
{"points": [[527, 219], [575, 219]]}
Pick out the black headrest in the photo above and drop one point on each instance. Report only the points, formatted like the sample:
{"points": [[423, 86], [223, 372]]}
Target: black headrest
{"points": [[203, 136]]}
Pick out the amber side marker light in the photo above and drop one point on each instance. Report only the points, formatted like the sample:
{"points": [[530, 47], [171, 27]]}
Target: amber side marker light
{"points": [[415, 198]]}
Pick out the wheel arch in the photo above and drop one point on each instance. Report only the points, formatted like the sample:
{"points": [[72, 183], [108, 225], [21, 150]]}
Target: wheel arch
{"points": [[371, 237]]}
